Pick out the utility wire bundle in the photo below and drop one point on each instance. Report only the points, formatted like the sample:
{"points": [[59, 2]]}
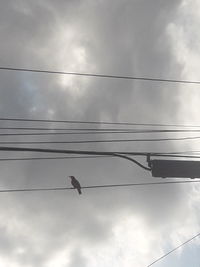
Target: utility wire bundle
{"points": [[10, 132]]}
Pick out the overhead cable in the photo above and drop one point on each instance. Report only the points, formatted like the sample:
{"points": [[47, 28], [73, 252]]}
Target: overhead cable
{"points": [[155, 154], [96, 132], [164, 155], [68, 151], [47, 158], [101, 141], [96, 75], [95, 122], [86, 157], [94, 186], [92, 152], [165, 255]]}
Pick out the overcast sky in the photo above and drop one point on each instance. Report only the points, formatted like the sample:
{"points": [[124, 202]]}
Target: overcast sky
{"points": [[102, 227]]}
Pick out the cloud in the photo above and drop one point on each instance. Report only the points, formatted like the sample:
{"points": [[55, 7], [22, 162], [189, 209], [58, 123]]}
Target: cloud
{"points": [[127, 38]]}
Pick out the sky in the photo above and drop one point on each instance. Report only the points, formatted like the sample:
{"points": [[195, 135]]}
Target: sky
{"points": [[102, 227]]}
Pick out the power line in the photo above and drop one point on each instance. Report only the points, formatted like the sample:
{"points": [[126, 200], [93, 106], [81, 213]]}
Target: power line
{"points": [[93, 157], [46, 158], [70, 151], [172, 155], [91, 129], [67, 129], [165, 255], [83, 132], [100, 75], [94, 186], [67, 151], [120, 154], [95, 122], [184, 152], [90, 152], [100, 141], [94, 129], [124, 155], [69, 133]]}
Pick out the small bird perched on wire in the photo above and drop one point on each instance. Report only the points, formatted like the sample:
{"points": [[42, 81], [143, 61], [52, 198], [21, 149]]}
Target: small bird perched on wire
{"points": [[76, 184]]}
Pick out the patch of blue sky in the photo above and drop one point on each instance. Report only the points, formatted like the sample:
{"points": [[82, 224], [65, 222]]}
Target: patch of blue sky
{"points": [[188, 256]]}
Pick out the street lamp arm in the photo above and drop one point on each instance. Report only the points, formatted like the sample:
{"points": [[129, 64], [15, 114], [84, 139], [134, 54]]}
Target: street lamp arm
{"points": [[133, 160], [80, 152]]}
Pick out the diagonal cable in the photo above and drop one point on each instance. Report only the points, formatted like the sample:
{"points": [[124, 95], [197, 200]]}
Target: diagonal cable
{"points": [[98, 75], [171, 251]]}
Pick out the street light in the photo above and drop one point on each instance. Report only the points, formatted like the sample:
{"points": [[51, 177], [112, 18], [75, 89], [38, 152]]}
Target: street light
{"points": [[175, 168]]}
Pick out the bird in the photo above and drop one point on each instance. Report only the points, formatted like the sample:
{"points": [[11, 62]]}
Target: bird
{"points": [[76, 184]]}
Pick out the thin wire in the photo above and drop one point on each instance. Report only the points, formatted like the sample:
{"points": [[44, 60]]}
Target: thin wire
{"points": [[100, 141], [68, 151], [90, 152], [65, 129], [94, 186], [95, 157], [96, 122], [83, 132], [183, 152], [124, 155], [100, 75], [165, 255], [67, 133], [87, 152], [174, 156], [46, 158], [155, 154]]}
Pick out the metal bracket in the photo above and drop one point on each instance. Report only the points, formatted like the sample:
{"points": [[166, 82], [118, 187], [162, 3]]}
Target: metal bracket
{"points": [[149, 160]]}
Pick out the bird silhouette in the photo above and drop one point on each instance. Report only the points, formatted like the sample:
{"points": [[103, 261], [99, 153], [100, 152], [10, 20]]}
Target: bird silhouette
{"points": [[75, 183]]}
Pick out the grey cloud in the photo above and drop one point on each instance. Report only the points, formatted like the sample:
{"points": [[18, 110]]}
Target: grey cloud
{"points": [[77, 259], [123, 38]]}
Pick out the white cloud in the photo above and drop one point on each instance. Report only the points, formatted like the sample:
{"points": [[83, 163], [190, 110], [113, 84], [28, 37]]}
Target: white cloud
{"points": [[108, 227]]}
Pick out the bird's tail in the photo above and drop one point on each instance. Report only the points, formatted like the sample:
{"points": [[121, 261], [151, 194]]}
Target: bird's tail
{"points": [[79, 191]]}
